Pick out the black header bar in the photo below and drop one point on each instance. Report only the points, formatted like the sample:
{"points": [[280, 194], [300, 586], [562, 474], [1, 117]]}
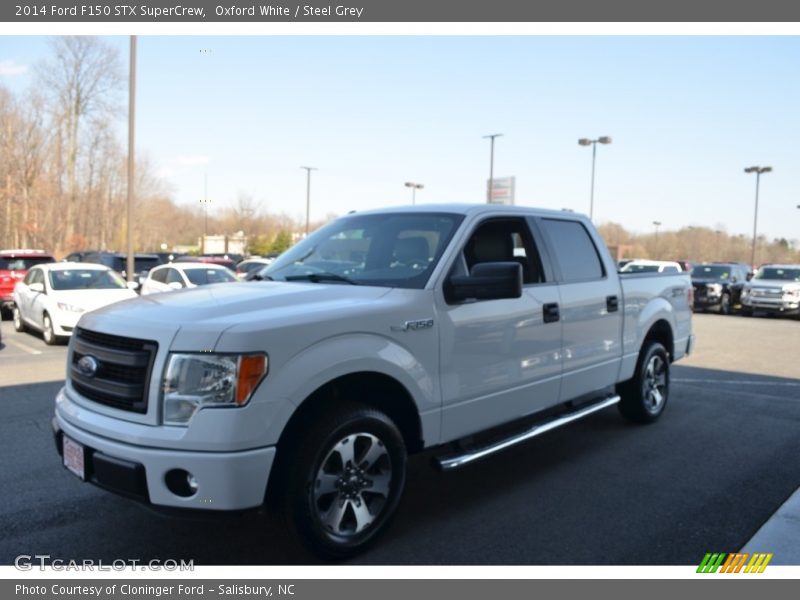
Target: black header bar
{"points": [[459, 11]]}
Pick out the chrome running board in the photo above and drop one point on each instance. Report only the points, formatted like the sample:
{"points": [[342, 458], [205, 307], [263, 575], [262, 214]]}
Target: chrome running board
{"points": [[446, 463]]}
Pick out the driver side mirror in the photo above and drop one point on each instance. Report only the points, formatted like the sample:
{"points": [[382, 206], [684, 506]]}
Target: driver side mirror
{"points": [[750, 275], [175, 285], [37, 287], [133, 285], [486, 281]]}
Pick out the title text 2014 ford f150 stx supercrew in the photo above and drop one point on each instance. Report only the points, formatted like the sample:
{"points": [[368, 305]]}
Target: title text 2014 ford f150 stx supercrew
{"points": [[379, 335]]}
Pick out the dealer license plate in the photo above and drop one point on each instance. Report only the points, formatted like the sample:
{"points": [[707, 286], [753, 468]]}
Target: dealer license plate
{"points": [[73, 457]]}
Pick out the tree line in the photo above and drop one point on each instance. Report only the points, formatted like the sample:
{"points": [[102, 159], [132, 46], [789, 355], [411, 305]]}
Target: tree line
{"points": [[698, 244], [63, 178], [63, 166]]}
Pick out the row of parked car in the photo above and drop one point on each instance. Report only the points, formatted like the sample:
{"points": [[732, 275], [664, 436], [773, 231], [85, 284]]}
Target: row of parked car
{"points": [[49, 296], [731, 287]]}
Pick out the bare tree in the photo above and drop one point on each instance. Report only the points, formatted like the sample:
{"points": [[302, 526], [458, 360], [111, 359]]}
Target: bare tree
{"points": [[84, 78]]}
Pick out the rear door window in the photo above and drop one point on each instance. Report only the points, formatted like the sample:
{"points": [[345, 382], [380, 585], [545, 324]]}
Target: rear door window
{"points": [[575, 252]]}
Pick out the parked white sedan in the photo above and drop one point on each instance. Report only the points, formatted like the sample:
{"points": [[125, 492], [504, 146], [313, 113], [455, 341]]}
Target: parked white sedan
{"points": [[178, 275], [53, 296]]}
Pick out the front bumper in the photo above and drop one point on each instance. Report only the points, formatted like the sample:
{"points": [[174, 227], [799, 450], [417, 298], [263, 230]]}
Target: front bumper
{"points": [[227, 481], [706, 301], [770, 305], [64, 322]]}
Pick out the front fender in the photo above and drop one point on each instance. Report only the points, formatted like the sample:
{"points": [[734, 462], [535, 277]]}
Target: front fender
{"points": [[342, 355]]}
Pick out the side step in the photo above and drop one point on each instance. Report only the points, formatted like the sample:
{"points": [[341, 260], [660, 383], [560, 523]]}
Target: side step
{"points": [[454, 461]]}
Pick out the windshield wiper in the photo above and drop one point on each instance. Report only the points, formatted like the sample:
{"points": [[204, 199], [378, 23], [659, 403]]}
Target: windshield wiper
{"points": [[320, 277], [259, 277]]}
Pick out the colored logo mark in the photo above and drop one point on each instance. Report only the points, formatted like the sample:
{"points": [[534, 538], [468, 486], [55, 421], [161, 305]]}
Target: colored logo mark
{"points": [[735, 562]]}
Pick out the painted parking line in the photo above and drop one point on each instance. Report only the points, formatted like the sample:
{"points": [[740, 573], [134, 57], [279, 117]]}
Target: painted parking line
{"points": [[21, 346]]}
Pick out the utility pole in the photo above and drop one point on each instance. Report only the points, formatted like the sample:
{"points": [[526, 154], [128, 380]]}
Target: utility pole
{"points": [[308, 194], [131, 148]]}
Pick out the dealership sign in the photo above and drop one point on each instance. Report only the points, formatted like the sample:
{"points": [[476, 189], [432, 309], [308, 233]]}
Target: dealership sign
{"points": [[502, 192]]}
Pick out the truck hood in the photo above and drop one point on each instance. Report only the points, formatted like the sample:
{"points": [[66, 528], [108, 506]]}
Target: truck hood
{"points": [[773, 284], [214, 308]]}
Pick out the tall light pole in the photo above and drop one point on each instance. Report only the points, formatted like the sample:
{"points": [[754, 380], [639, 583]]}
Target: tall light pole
{"points": [[758, 171], [491, 163], [656, 224], [131, 147], [205, 201], [593, 143], [414, 187], [308, 194]]}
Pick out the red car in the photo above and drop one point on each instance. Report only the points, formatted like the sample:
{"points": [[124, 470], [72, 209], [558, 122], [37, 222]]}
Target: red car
{"points": [[14, 264]]}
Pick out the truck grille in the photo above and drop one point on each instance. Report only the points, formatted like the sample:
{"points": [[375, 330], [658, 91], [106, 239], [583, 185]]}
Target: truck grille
{"points": [[766, 293], [119, 374]]}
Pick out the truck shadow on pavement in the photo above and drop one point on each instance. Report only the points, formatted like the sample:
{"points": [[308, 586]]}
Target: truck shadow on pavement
{"points": [[600, 491]]}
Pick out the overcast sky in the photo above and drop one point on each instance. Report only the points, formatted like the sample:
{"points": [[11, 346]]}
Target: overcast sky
{"points": [[686, 115]]}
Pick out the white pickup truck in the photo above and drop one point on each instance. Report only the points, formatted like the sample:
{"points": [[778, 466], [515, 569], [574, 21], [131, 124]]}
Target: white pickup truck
{"points": [[458, 327]]}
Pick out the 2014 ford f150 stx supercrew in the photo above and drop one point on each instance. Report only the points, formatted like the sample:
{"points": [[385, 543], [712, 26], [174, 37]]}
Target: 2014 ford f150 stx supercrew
{"points": [[467, 328]]}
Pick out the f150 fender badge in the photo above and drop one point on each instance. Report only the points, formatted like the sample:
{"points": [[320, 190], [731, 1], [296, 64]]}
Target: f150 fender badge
{"points": [[414, 325]]}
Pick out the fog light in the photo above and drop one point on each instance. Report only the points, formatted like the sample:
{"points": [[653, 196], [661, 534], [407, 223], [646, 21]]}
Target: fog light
{"points": [[181, 483]]}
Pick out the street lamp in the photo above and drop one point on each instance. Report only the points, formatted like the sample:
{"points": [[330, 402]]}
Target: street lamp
{"points": [[656, 224], [414, 187], [758, 171], [491, 163], [308, 193], [593, 143]]}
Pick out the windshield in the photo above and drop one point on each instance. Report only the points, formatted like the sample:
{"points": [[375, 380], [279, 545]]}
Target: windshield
{"points": [[389, 249], [23, 263], [778, 273], [204, 276], [711, 272], [85, 279]]}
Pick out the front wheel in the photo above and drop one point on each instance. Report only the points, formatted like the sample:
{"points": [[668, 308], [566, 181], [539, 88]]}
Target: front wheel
{"points": [[725, 304], [345, 481], [19, 324], [644, 397], [48, 333]]}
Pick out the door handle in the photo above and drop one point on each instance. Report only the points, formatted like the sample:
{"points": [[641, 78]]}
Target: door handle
{"points": [[612, 303], [550, 312]]}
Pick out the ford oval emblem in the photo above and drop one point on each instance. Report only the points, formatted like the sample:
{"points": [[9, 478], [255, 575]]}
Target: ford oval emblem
{"points": [[87, 366]]}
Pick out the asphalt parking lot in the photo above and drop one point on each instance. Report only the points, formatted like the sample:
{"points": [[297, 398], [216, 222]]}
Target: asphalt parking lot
{"points": [[717, 465]]}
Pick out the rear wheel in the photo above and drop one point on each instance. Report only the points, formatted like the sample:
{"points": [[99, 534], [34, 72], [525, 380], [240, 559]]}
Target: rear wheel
{"points": [[345, 481], [19, 324], [644, 397]]}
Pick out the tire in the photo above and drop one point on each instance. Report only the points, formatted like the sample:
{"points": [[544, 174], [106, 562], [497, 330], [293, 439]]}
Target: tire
{"points": [[48, 333], [725, 304], [19, 324], [342, 483], [644, 397]]}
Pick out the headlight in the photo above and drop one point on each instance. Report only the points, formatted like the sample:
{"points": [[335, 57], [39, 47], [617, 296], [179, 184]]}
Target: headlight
{"points": [[69, 307], [745, 292], [192, 381], [714, 288], [794, 293]]}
